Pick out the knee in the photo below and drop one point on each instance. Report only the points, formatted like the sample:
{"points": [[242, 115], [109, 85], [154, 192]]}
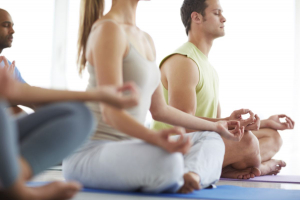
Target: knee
{"points": [[251, 143], [82, 116], [277, 140]]}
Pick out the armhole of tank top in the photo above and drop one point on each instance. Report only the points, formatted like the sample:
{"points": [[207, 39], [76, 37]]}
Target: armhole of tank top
{"points": [[198, 86]]}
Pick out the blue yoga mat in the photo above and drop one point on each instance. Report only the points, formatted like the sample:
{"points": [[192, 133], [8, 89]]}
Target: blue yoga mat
{"points": [[224, 192]]}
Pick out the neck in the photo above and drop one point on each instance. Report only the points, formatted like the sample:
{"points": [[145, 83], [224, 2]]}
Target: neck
{"points": [[125, 11], [201, 41]]}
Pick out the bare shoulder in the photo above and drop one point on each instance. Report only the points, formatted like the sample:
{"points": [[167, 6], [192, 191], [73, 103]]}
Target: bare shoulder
{"points": [[179, 62], [180, 69], [108, 29]]}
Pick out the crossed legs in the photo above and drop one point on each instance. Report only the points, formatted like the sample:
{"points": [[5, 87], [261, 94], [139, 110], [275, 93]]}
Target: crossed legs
{"points": [[252, 155], [36, 142]]}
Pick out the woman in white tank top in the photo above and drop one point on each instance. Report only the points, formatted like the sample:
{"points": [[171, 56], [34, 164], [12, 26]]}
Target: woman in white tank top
{"points": [[123, 154]]}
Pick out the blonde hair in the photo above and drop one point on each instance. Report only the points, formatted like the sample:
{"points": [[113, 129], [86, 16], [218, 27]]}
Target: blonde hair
{"points": [[90, 11]]}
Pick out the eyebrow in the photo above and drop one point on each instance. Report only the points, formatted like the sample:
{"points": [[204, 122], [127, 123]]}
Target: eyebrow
{"points": [[218, 10], [7, 22]]}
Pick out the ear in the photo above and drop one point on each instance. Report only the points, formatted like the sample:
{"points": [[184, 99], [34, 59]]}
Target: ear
{"points": [[196, 17]]}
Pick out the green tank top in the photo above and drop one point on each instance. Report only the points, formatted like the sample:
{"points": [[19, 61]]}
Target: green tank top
{"points": [[207, 90]]}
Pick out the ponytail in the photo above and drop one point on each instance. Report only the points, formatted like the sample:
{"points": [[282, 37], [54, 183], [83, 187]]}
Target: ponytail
{"points": [[90, 11]]}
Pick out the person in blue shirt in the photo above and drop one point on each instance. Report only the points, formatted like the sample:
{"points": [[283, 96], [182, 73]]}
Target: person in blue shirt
{"points": [[6, 39]]}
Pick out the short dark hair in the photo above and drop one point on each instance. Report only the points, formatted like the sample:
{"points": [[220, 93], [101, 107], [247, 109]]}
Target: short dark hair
{"points": [[188, 7]]}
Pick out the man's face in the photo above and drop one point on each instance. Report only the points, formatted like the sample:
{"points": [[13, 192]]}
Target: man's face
{"points": [[213, 23], [6, 30]]}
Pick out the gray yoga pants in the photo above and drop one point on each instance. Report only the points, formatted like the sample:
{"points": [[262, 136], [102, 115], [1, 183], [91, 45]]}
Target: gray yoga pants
{"points": [[43, 138], [138, 166]]}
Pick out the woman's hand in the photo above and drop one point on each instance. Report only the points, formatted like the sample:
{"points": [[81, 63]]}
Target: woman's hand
{"points": [[163, 139], [125, 96], [236, 134], [274, 122]]}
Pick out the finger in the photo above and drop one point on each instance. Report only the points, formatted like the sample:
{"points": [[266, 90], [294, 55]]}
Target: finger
{"points": [[284, 126], [5, 62], [127, 86], [236, 135], [289, 123], [178, 131], [293, 123], [255, 126], [182, 145], [234, 123], [12, 67], [239, 113], [186, 148], [282, 116], [257, 122], [251, 115], [248, 121], [242, 132]]}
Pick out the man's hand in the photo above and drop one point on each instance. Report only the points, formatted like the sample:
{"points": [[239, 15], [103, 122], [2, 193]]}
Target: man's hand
{"points": [[255, 125], [237, 116], [252, 123], [236, 134], [274, 122], [10, 68]]}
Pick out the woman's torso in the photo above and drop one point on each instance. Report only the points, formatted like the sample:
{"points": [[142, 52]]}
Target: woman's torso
{"points": [[144, 73]]}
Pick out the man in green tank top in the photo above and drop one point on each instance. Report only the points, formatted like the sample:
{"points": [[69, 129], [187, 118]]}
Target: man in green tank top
{"points": [[191, 84]]}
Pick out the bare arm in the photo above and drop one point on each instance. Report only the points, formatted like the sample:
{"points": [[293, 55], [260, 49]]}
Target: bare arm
{"points": [[162, 112], [14, 91]]}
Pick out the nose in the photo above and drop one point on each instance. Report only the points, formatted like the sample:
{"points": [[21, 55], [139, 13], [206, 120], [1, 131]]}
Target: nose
{"points": [[223, 19], [12, 31]]}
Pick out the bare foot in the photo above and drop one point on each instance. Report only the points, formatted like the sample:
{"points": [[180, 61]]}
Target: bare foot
{"points": [[52, 191], [230, 172], [191, 183], [271, 167]]}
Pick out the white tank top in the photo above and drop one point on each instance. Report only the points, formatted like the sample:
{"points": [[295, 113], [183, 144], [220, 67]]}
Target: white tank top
{"points": [[146, 75]]}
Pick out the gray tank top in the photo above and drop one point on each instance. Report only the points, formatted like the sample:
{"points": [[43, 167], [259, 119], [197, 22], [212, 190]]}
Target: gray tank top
{"points": [[146, 75]]}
